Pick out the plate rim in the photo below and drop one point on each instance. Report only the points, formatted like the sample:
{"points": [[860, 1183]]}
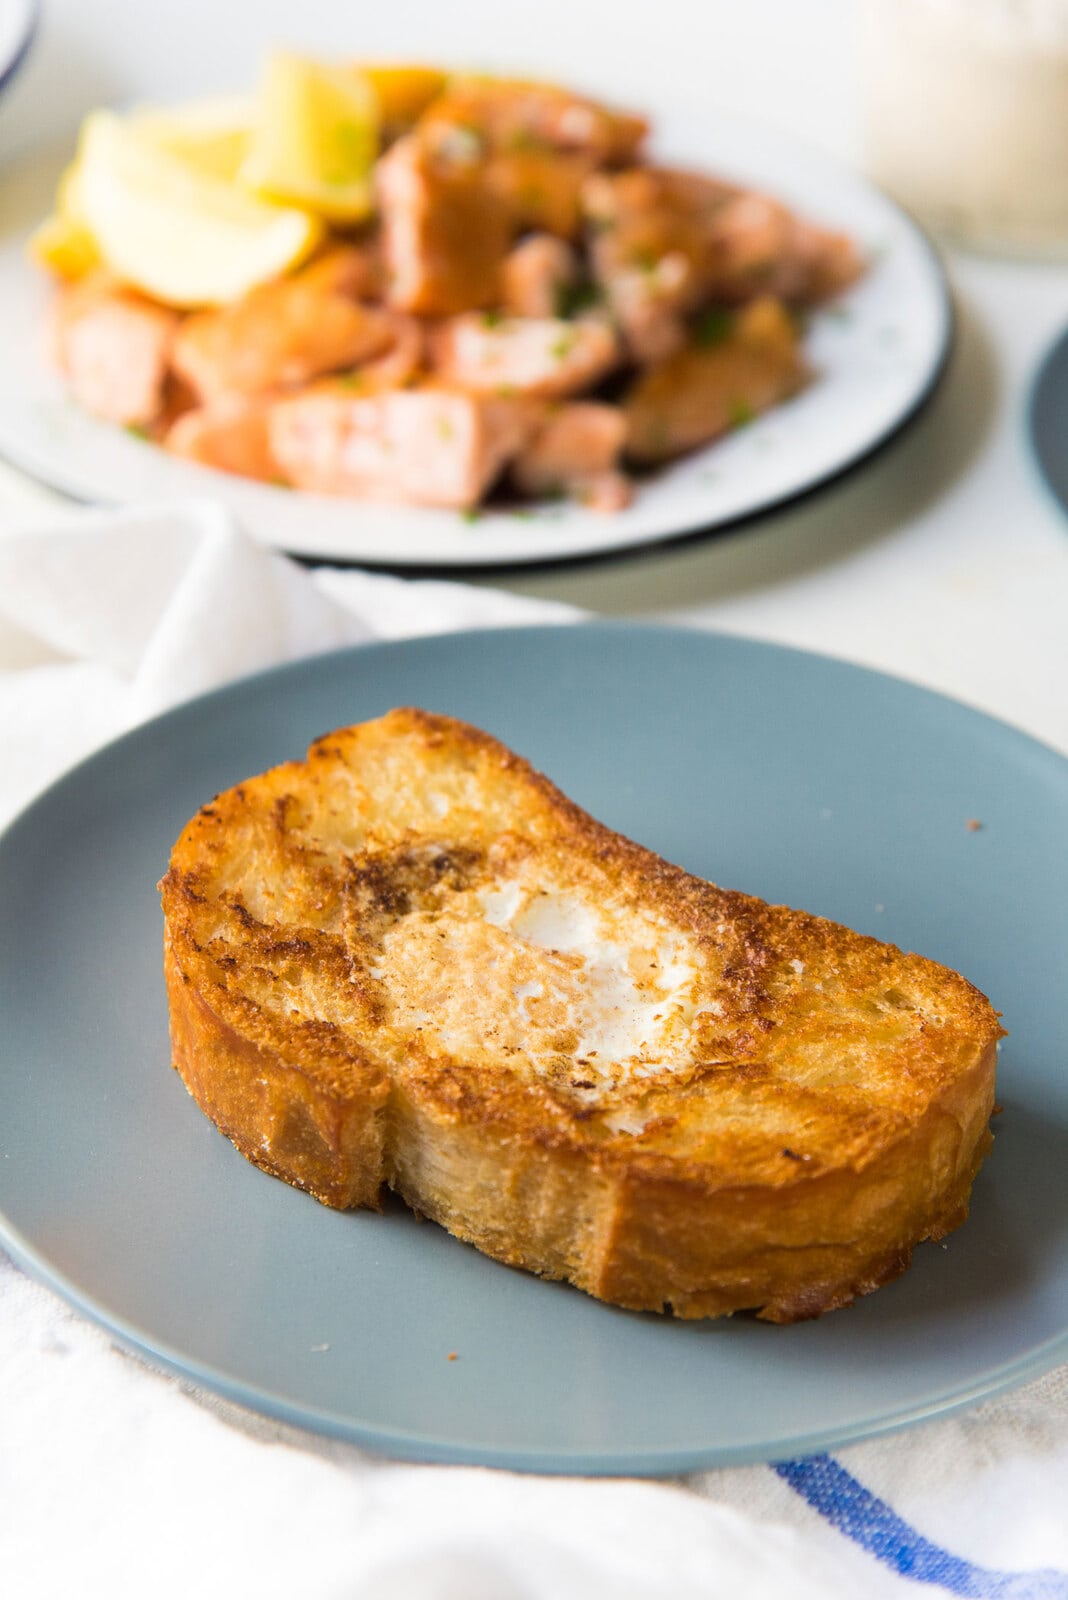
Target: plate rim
{"points": [[405, 1443], [584, 542], [1050, 375], [592, 623], [10, 68]]}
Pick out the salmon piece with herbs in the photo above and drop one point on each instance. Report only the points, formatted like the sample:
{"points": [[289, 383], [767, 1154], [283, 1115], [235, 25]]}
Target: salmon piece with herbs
{"points": [[233, 435], [432, 446], [444, 235], [539, 277], [746, 364], [514, 115], [651, 251], [760, 247], [573, 442], [575, 450], [284, 334], [546, 357], [113, 347]]}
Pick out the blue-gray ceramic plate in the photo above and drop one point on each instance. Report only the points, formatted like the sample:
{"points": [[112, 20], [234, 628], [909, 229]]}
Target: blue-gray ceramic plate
{"points": [[799, 778]]}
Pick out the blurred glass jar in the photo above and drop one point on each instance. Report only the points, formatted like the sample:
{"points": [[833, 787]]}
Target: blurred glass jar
{"points": [[965, 117]]}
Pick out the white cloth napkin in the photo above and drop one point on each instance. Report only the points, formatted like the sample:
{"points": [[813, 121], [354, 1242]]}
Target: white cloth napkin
{"points": [[117, 1480], [109, 617]]}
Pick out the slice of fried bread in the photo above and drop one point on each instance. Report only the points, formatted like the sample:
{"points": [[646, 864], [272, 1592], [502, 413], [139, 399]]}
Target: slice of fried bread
{"points": [[410, 961]]}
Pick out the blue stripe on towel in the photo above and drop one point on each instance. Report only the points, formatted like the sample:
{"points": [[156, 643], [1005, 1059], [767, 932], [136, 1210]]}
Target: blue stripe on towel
{"points": [[877, 1528]]}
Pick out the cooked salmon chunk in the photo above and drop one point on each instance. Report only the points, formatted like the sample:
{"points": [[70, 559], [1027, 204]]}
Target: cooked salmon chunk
{"points": [[280, 336], [706, 390], [758, 245], [113, 347], [354, 270], [574, 442], [510, 114], [539, 144], [733, 243], [399, 365], [645, 210], [547, 357], [652, 251], [445, 232], [540, 189], [232, 436], [537, 275], [432, 446]]}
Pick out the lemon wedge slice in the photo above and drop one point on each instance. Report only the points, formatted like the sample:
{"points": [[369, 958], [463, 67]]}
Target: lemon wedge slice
{"points": [[315, 137], [404, 90], [210, 135], [63, 247], [63, 243], [178, 233]]}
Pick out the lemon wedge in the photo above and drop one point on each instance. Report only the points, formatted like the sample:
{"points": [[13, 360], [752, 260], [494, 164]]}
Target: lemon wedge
{"points": [[210, 135], [315, 137], [175, 231], [64, 247], [404, 90], [63, 243]]}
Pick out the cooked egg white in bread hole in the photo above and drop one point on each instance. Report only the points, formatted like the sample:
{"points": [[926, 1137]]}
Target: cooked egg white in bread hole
{"points": [[532, 973]]}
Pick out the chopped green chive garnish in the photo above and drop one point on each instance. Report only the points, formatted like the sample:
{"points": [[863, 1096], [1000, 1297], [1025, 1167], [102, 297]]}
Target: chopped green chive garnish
{"points": [[740, 412], [659, 436], [528, 139], [571, 298], [644, 259], [713, 326]]}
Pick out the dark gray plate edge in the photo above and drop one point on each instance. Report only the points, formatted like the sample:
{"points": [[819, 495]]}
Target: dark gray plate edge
{"points": [[17, 59], [406, 1445], [1050, 380]]}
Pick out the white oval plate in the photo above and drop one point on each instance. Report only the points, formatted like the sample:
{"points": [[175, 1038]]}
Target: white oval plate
{"points": [[878, 351]]}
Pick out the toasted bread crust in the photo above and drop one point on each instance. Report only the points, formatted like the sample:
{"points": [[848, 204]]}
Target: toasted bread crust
{"points": [[410, 961]]}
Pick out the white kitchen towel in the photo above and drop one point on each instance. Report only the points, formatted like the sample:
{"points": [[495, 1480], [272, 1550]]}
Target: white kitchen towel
{"points": [[109, 617], [118, 1480]]}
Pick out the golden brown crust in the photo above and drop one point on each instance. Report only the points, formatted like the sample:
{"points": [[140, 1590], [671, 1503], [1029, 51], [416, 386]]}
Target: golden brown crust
{"points": [[411, 961]]}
